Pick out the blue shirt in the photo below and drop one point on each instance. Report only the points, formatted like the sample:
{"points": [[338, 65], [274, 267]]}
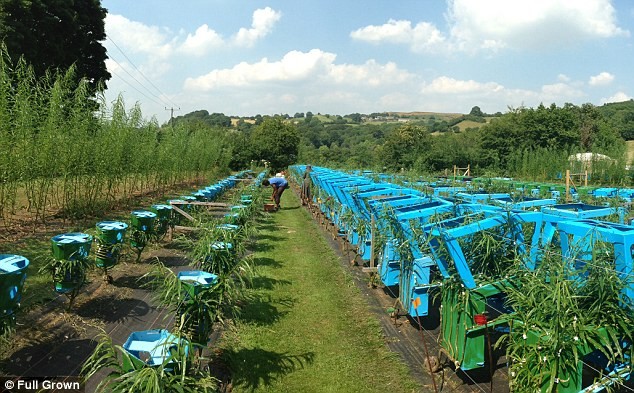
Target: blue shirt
{"points": [[278, 181]]}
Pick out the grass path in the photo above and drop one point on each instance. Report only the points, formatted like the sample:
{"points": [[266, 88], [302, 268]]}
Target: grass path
{"points": [[308, 329]]}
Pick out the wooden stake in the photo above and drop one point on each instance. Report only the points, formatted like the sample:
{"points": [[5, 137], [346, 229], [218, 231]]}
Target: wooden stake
{"points": [[198, 203], [567, 185], [422, 336], [372, 225]]}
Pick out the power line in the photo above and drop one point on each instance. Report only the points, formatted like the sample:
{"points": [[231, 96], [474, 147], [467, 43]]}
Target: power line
{"points": [[131, 85], [139, 71], [160, 93]]}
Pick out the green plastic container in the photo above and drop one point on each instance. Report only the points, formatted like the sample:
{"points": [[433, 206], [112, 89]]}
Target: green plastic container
{"points": [[151, 348], [463, 336], [163, 218], [111, 232], [143, 223], [142, 220], [188, 198], [570, 381], [12, 277], [238, 208], [163, 212], [544, 189], [233, 218], [560, 188], [196, 281], [71, 246]]}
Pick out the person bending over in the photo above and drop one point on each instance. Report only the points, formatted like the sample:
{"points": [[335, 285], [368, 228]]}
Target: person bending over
{"points": [[279, 184]]}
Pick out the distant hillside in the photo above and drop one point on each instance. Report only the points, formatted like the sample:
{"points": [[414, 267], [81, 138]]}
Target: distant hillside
{"points": [[617, 106], [437, 122], [620, 115], [427, 116], [463, 125]]}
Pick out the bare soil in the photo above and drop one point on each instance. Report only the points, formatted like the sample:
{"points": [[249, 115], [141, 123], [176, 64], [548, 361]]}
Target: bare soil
{"points": [[48, 339]]}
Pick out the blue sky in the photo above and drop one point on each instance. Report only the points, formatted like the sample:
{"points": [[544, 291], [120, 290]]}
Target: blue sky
{"points": [[272, 57]]}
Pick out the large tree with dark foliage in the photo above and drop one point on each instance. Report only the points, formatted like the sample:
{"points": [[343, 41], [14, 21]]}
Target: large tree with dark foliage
{"points": [[404, 146], [53, 35], [276, 141], [203, 116]]}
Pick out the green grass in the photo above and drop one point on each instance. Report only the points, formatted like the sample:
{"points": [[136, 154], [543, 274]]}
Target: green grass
{"points": [[463, 125], [308, 328]]}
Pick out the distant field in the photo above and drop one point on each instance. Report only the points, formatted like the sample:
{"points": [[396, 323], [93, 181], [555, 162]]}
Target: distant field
{"points": [[463, 125], [427, 115], [394, 116], [325, 119], [630, 151], [235, 120]]}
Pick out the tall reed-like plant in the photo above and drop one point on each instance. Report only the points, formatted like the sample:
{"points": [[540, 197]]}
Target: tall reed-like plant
{"points": [[65, 150], [562, 313]]}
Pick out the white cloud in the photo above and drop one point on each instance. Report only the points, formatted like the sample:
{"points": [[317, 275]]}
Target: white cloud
{"points": [[154, 49], [135, 37], [447, 94], [112, 66], [151, 48], [395, 101], [294, 66], [530, 23], [602, 79], [563, 78], [423, 36], [618, 97], [201, 41], [263, 21], [370, 73], [288, 98], [496, 24], [560, 91]]}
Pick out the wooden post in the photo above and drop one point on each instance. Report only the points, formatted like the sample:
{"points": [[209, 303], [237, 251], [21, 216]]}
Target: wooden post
{"points": [[187, 216], [586, 179], [567, 185], [372, 225]]}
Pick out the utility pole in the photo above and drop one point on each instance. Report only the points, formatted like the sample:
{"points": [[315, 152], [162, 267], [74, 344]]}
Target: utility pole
{"points": [[172, 109]]}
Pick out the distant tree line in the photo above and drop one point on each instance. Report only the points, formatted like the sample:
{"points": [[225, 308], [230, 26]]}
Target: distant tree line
{"points": [[497, 146], [509, 143], [203, 117]]}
